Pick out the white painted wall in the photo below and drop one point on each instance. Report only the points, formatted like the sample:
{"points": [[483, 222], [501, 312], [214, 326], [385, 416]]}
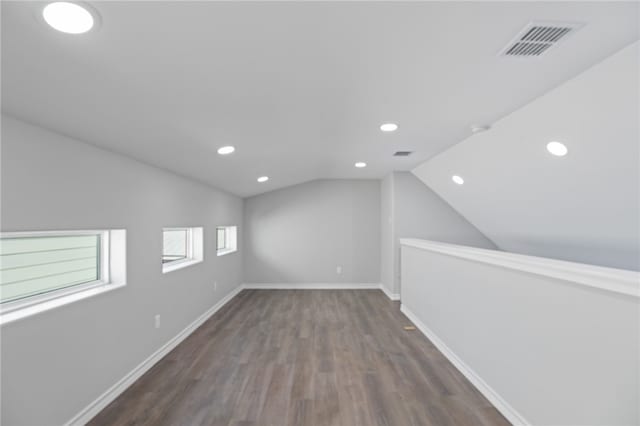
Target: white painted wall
{"points": [[301, 234], [415, 211], [583, 207], [557, 352], [55, 363]]}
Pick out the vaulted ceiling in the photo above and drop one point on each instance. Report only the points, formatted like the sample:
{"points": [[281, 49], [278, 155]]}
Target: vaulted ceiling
{"points": [[583, 206], [299, 88]]}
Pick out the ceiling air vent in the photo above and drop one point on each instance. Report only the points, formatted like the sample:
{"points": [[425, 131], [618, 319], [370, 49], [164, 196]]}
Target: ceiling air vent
{"points": [[538, 38], [402, 153]]}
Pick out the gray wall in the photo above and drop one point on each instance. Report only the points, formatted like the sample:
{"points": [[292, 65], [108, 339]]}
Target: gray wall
{"points": [[57, 362], [418, 212], [558, 352], [387, 265], [300, 234]]}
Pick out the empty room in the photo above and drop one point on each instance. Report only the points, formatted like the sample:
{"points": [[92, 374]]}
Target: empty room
{"points": [[320, 213]]}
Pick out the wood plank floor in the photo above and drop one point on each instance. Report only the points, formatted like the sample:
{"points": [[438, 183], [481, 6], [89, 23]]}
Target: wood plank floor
{"points": [[303, 357]]}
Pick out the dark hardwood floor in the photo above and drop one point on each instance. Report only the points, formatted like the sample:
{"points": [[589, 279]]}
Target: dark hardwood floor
{"points": [[303, 357]]}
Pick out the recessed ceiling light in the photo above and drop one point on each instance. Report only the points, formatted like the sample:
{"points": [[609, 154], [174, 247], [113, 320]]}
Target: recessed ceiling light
{"points": [[558, 149], [225, 150], [68, 17], [262, 179], [389, 127], [457, 179], [360, 164]]}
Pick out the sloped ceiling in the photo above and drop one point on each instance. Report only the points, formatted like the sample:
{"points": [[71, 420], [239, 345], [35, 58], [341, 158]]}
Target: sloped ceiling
{"points": [[582, 207], [300, 88]]}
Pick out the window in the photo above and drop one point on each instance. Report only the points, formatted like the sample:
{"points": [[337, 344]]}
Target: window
{"points": [[37, 267], [226, 240], [181, 247]]}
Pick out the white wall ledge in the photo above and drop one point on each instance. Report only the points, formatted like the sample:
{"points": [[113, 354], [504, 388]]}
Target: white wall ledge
{"points": [[609, 279]]}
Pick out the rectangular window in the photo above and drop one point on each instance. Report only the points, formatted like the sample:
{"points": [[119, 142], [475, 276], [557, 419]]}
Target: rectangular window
{"points": [[37, 267], [175, 244], [181, 247], [226, 239], [220, 238]]}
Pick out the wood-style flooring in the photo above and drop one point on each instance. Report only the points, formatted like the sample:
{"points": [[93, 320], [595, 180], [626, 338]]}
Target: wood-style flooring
{"points": [[302, 358]]}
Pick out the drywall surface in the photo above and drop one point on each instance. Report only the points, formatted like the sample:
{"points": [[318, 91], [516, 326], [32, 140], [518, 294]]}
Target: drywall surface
{"points": [[557, 352], [57, 362], [303, 233], [418, 212], [386, 233], [583, 207]]}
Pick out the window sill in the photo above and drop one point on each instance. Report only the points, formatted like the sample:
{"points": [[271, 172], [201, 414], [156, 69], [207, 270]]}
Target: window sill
{"points": [[226, 251], [37, 308], [174, 266]]}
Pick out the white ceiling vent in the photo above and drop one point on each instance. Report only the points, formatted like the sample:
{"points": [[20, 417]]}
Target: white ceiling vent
{"points": [[537, 38]]}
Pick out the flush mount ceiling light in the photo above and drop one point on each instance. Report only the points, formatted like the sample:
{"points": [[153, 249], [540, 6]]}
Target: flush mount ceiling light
{"points": [[557, 148], [70, 18], [389, 127], [226, 150], [262, 179], [360, 164], [457, 179]]}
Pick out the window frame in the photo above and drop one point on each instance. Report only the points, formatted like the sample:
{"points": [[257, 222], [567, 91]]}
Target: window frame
{"points": [[228, 239], [194, 250], [39, 302], [188, 245]]}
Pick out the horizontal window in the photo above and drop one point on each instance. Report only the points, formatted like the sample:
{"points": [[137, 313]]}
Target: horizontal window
{"points": [[39, 266], [181, 247], [226, 239]]}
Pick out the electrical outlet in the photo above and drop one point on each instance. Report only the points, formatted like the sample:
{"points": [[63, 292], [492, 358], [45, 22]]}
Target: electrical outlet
{"points": [[339, 269], [157, 321]]}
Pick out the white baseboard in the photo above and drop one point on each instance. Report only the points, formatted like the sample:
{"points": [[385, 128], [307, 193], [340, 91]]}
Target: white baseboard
{"points": [[392, 296], [114, 391], [501, 405], [311, 286], [321, 286]]}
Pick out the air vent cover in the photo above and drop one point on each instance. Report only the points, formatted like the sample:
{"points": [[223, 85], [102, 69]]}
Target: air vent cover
{"points": [[537, 38], [402, 153]]}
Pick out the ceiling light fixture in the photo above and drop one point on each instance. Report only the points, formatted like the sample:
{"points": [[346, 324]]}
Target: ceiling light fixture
{"points": [[70, 18], [263, 179], [226, 150], [360, 164], [457, 179], [557, 148], [389, 127]]}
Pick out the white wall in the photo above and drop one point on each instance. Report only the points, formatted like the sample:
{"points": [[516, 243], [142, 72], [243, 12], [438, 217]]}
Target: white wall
{"points": [[558, 352], [300, 234], [417, 212], [57, 362], [583, 207]]}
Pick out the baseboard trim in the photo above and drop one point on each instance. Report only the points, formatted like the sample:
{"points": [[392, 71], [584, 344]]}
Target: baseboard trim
{"points": [[311, 286], [392, 296], [90, 411], [501, 405]]}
